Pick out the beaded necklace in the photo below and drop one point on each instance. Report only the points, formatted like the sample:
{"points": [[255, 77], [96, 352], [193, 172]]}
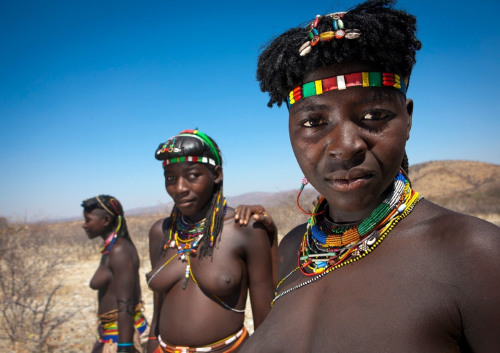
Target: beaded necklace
{"points": [[111, 239], [186, 237], [327, 246]]}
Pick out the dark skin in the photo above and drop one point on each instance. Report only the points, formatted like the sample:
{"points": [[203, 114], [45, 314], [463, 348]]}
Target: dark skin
{"points": [[241, 262], [117, 277], [243, 214], [431, 286]]}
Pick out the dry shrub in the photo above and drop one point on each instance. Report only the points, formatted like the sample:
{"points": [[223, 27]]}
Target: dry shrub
{"points": [[28, 285]]}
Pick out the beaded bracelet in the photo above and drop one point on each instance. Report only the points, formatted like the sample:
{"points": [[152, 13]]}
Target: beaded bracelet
{"points": [[127, 344]]}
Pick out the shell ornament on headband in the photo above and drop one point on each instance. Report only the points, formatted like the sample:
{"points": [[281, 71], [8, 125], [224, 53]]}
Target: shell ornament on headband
{"points": [[338, 32], [188, 146]]}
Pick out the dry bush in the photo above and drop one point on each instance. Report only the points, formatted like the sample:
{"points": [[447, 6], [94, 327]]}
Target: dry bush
{"points": [[28, 267]]}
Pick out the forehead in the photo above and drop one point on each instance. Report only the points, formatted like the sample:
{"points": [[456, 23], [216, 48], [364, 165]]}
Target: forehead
{"points": [[96, 212]]}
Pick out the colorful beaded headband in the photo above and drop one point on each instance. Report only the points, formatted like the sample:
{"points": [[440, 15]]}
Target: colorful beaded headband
{"points": [[341, 82], [189, 159], [339, 32]]}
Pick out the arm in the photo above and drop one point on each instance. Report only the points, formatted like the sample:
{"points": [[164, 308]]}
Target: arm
{"points": [[155, 240], [124, 276], [260, 215], [259, 268]]}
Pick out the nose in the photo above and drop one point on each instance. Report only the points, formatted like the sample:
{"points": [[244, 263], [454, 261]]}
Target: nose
{"points": [[181, 186], [345, 142]]}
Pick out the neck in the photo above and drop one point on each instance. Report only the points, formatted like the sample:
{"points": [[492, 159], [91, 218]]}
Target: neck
{"points": [[346, 217]]}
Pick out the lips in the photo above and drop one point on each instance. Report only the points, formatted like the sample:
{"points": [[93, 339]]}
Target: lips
{"points": [[184, 203], [349, 181]]}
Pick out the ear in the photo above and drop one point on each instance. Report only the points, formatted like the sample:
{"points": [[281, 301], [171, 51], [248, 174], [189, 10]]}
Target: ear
{"points": [[409, 110], [218, 174], [107, 220]]}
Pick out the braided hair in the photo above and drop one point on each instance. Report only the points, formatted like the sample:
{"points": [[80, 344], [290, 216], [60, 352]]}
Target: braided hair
{"points": [[196, 147], [387, 41], [113, 208]]}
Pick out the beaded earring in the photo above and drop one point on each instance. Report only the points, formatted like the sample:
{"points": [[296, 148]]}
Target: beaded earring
{"points": [[304, 183]]}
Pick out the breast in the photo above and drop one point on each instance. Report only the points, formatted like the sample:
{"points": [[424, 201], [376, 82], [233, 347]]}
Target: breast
{"points": [[101, 279], [221, 276]]}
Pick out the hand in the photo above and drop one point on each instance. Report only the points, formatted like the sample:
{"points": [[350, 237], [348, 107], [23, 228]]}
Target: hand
{"points": [[258, 213]]}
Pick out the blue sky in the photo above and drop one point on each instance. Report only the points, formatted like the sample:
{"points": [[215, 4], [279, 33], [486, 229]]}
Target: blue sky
{"points": [[88, 90]]}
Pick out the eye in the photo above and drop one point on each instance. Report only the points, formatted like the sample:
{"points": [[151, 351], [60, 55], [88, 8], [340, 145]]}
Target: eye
{"points": [[192, 176], [378, 115], [169, 178], [312, 122]]}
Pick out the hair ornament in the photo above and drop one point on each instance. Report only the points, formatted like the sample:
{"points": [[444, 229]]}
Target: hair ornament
{"points": [[189, 146], [338, 32], [105, 208]]}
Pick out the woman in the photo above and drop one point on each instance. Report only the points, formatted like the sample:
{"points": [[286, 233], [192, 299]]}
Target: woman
{"points": [[377, 268], [203, 261], [121, 321]]}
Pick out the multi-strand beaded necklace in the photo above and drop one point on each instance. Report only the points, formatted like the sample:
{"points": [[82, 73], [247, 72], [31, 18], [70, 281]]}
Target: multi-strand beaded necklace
{"points": [[327, 246]]}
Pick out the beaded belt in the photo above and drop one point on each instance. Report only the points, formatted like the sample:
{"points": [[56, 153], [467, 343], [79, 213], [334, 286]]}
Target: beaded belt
{"points": [[239, 337]]}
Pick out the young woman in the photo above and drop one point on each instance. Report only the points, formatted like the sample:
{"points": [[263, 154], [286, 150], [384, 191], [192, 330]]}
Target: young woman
{"points": [[203, 261], [377, 268], [117, 278]]}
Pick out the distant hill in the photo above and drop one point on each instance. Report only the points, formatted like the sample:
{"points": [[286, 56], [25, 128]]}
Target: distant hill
{"points": [[464, 186]]}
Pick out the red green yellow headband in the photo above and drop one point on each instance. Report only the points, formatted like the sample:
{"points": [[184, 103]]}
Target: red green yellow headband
{"points": [[341, 82]]}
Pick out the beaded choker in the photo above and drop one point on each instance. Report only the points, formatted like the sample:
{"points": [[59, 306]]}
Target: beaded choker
{"points": [[341, 82], [327, 246]]}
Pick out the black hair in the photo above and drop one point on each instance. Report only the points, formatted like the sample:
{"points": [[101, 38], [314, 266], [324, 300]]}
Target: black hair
{"points": [[387, 41], [113, 208], [193, 143]]}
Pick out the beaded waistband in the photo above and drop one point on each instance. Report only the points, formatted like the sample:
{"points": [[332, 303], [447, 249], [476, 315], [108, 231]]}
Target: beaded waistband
{"points": [[240, 335]]}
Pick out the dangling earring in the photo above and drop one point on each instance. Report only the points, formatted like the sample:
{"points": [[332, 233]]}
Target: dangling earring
{"points": [[304, 183]]}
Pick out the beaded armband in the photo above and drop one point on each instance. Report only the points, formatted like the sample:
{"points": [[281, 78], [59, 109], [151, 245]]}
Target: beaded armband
{"points": [[341, 82]]}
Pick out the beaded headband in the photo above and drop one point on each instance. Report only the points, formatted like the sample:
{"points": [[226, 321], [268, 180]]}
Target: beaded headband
{"points": [[339, 32], [341, 82], [179, 149], [189, 159]]}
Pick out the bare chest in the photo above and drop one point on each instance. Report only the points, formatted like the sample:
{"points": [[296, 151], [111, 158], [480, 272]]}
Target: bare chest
{"points": [[370, 305]]}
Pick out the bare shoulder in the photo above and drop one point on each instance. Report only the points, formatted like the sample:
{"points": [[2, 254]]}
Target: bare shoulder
{"points": [[157, 228], [455, 229], [293, 238], [248, 235], [463, 246], [122, 253]]}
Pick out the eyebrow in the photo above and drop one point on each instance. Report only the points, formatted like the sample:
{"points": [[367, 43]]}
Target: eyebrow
{"points": [[370, 97], [377, 95], [311, 108]]}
